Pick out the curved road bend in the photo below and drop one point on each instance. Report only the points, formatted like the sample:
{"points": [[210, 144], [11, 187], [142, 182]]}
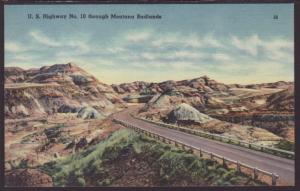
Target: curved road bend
{"points": [[285, 168]]}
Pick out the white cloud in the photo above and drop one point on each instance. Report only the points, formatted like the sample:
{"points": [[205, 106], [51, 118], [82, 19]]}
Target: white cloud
{"points": [[166, 54], [276, 49], [221, 57], [72, 49], [212, 41], [183, 65], [165, 40], [115, 50], [14, 47], [249, 44], [80, 46], [186, 40], [43, 39], [279, 43], [139, 65], [176, 40], [148, 56], [24, 57], [138, 36], [279, 50], [184, 54], [192, 40], [75, 44]]}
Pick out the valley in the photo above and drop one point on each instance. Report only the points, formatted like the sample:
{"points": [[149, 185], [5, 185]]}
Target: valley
{"points": [[59, 119]]}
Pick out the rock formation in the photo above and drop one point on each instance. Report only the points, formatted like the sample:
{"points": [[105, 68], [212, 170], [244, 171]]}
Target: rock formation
{"points": [[185, 112], [282, 101], [89, 113], [58, 88]]}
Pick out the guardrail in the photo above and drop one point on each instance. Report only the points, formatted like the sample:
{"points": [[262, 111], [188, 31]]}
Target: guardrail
{"points": [[255, 173], [274, 151]]}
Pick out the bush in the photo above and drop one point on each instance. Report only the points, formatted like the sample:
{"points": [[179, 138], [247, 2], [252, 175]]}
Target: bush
{"points": [[285, 145], [170, 163], [105, 182], [137, 148], [229, 174], [81, 181]]}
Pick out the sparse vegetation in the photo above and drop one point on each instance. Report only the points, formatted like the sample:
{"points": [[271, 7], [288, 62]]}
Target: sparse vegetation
{"points": [[110, 161], [53, 111], [286, 145], [53, 132]]}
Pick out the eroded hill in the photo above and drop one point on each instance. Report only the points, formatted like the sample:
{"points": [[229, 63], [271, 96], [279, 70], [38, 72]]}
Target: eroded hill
{"points": [[59, 88], [126, 155]]}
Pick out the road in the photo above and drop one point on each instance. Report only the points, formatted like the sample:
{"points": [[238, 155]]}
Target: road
{"points": [[285, 168]]}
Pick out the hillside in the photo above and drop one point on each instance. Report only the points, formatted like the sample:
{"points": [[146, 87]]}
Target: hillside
{"points": [[187, 116], [57, 88], [269, 106], [60, 128], [126, 155], [206, 94], [282, 101], [201, 84]]}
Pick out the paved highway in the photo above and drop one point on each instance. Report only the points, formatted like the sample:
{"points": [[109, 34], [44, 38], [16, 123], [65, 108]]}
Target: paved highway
{"points": [[285, 168]]}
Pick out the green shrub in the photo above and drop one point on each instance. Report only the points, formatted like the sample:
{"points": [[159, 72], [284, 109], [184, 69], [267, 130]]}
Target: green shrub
{"points": [[81, 181], [172, 164], [285, 145], [229, 174], [105, 182], [137, 148]]}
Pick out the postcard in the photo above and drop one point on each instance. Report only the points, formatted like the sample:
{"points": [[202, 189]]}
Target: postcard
{"points": [[149, 95]]}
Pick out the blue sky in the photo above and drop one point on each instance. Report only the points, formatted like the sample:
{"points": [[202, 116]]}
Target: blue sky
{"points": [[239, 43]]}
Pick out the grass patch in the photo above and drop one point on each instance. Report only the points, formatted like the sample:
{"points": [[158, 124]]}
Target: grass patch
{"points": [[171, 165], [286, 145], [63, 171]]}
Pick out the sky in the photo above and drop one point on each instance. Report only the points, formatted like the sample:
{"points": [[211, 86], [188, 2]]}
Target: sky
{"points": [[239, 43]]}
